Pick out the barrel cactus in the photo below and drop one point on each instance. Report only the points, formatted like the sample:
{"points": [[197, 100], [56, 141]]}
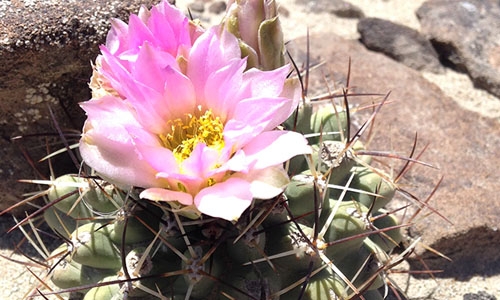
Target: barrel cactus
{"points": [[209, 178]]}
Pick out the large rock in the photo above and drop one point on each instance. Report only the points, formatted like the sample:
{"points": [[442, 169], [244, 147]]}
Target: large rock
{"points": [[45, 52], [462, 144], [399, 42], [467, 35]]}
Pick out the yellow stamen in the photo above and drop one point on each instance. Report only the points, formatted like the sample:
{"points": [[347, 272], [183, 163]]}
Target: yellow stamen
{"points": [[186, 133]]}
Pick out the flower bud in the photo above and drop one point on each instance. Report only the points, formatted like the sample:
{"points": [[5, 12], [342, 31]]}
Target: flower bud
{"points": [[257, 26]]}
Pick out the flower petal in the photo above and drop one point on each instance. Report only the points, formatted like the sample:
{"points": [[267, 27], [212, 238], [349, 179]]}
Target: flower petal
{"points": [[116, 40], [151, 67], [159, 158], [213, 50], [253, 116], [169, 27], [272, 148], [222, 89], [138, 32], [226, 200], [159, 194], [268, 183], [259, 83], [107, 146], [201, 162]]}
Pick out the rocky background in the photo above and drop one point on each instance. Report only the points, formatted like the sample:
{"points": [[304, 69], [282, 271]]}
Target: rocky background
{"points": [[439, 59]]}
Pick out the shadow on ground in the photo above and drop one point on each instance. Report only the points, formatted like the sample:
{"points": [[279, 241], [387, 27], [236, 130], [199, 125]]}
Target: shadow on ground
{"points": [[16, 241], [475, 253]]}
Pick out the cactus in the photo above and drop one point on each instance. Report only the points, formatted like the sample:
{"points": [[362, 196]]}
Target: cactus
{"points": [[326, 236], [321, 239]]}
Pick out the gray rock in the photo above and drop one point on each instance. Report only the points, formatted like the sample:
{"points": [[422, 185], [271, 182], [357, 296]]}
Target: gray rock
{"points": [[467, 36], [463, 145], [217, 7], [482, 295], [339, 8], [399, 42], [197, 6], [45, 54]]}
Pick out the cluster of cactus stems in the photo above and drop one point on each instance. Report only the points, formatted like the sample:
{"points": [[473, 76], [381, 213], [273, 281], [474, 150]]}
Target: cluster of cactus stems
{"points": [[327, 236]]}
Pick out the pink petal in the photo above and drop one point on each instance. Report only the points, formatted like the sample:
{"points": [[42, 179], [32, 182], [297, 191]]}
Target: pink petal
{"points": [[178, 94], [259, 83], [107, 146], [222, 89], [268, 183], [226, 200], [201, 162], [272, 148], [159, 194], [151, 150], [138, 32], [213, 50], [157, 90], [114, 70], [292, 90], [144, 14], [170, 27], [116, 40], [150, 66], [173, 95], [253, 116], [188, 183]]}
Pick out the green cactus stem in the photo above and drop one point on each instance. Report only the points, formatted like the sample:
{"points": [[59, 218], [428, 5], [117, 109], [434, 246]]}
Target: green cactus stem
{"points": [[94, 247], [67, 192], [105, 291]]}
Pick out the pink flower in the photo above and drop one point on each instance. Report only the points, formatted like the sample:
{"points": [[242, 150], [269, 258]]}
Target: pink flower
{"points": [[163, 27], [196, 130]]}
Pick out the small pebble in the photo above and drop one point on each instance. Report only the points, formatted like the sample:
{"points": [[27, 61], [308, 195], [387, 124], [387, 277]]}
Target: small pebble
{"points": [[197, 6], [482, 295], [217, 7]]}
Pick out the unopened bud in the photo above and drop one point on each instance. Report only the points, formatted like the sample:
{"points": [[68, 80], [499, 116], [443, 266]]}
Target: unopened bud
{"points": [[257, 26]]}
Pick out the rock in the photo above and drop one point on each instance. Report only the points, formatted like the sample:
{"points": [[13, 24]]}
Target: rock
{"points": [[463, 144], [479, 296], [399, 42], [217, 7], [345, 9], [283, 12], [45, 54], [466, 34], [197, 6], [339, 8]]}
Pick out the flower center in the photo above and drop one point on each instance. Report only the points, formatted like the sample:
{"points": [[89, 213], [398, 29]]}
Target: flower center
{"points": [[188, 132]]}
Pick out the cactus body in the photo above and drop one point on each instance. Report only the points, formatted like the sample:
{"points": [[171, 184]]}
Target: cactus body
{"points": [[108, 292], [60, 222], [325, 285], [387, 240], [350, 220], [72, 203], [371, 182], [94, 247]]}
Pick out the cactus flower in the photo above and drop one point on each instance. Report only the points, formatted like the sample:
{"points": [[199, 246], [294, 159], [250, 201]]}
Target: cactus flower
{"points": [[197, 130], [163, 27]]}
